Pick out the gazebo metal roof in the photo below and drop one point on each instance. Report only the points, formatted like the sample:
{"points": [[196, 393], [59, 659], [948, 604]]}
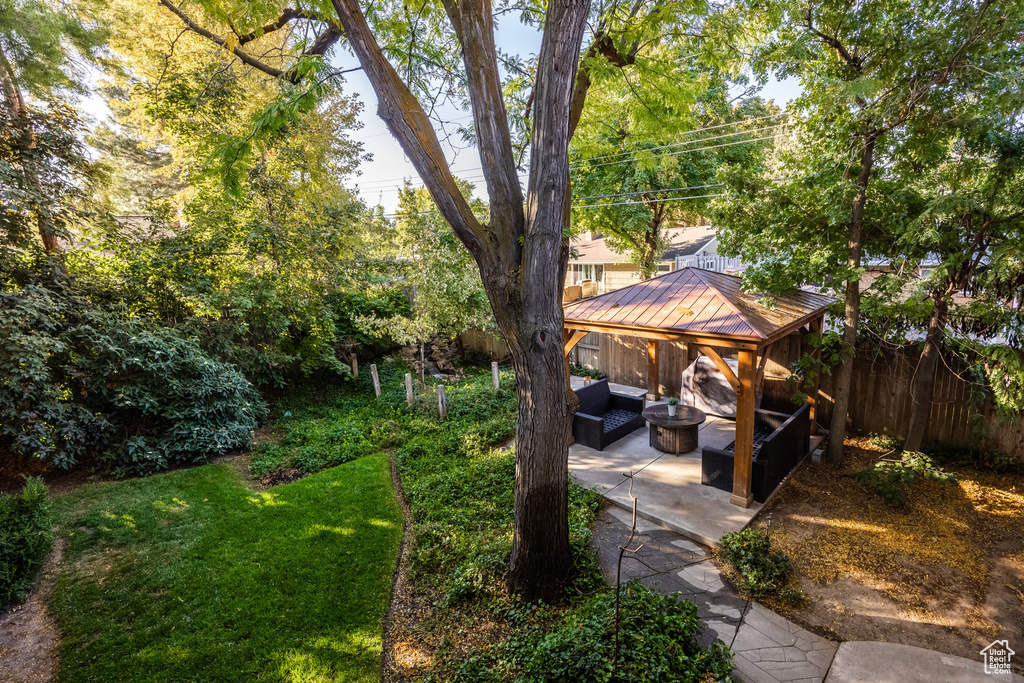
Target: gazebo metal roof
{"points": [[696, 303]]}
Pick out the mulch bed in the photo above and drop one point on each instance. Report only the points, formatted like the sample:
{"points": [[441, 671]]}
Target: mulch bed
{"points": [[945, 572]]}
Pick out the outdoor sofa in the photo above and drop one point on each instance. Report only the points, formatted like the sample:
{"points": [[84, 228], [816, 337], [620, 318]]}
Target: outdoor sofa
{"points": [[780, 441], [604, 417]]}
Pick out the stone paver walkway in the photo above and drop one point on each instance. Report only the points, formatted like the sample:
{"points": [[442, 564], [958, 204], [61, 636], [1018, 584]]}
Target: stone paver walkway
{"points": [[767, 647]]}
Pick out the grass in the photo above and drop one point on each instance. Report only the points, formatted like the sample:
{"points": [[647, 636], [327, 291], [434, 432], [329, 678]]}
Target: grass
{"points": [[192, 576]]}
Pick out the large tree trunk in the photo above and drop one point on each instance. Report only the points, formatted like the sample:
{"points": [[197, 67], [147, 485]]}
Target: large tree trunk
{"points": [[923, 385], [522, 253], [844, 376]]}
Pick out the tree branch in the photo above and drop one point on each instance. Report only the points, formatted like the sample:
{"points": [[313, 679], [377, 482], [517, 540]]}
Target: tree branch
{"points": [[213, 37], [403, 114]]}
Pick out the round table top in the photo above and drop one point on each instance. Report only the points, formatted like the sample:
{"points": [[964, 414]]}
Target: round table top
{"points": [[686, 416]]}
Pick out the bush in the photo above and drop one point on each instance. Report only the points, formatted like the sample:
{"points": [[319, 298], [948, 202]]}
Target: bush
{"points": [[77, 377], [26, 538], [583, 371], [658, 641], [893, 480], [760, 571]]}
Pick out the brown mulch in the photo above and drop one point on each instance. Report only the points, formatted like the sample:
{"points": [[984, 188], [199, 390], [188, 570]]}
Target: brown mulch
{"points": [[29, 638], [945, 571]]}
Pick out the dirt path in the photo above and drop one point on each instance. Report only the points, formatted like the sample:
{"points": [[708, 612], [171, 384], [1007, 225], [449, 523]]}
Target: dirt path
{"points": [[28, 633]]}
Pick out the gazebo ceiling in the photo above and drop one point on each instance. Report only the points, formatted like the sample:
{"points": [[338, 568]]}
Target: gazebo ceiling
{"points": [[700, 303]]}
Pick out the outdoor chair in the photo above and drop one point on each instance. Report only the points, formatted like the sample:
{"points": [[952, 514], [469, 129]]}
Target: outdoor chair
{"points": [[604, 417], [780, 442]]}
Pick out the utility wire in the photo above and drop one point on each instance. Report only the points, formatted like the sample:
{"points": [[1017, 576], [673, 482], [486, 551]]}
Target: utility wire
{"points": [[478, 171], [679, 144], [686, 151], [652, 201], [629, 194]]}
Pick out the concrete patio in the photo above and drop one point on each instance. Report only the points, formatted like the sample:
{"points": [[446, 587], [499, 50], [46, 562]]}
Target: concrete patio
{"points": [[667, 486]]}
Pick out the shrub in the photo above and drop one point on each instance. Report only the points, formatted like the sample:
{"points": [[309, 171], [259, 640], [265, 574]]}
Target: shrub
{"points": [[893, 480], [26, 538], [760, 571], [657, 642], [76, 377], [584, 371]]}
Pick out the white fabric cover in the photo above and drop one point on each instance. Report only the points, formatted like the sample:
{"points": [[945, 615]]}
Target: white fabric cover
{"points": [[707, 389]]}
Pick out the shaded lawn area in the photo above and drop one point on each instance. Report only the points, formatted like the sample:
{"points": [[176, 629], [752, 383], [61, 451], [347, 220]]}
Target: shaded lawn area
{"points": [[193, 576]]}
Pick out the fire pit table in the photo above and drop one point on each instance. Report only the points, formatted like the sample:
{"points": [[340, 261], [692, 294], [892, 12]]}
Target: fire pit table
{"points": [[676, 434]]}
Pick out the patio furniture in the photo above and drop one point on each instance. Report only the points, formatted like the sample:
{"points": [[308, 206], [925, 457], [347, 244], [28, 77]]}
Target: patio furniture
{"points": [[780, 441], [674, 433], [705, 387], [604, 417]]}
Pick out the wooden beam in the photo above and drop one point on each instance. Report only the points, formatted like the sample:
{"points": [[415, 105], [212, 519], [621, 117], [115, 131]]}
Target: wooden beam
{"points": [[760, 367], [743, 462], [567, 336], [730, 376], [573, 340], [737, 342], [653, 393], [812, 396]]}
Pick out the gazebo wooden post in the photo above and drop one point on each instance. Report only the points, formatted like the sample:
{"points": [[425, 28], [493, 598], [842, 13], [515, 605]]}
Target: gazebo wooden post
{"points": [[816, 326], [653, 387], [743, 462]]}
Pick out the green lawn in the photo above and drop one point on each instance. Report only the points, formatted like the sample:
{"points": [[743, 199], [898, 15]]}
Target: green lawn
{"points": [[193, 576]]}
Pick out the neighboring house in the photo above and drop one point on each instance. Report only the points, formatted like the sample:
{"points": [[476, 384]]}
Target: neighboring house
{"points": [[600, 268]]}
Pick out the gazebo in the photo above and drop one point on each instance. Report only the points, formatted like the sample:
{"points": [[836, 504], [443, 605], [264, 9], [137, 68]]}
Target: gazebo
{"points": [[705, 310]]}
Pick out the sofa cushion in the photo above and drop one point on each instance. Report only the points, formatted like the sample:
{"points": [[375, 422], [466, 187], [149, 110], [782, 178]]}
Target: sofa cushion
{"points": [[594, 398], [616, 417]]}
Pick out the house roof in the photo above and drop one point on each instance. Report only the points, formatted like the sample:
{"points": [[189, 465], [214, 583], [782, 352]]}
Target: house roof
{"points": [[681, 242], [696, 302]]}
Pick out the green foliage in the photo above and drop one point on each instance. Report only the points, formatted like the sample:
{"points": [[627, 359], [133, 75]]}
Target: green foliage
{"points": [[640, 139], [886, 442], [762, 572], [586, 371], [894, 480], [76, 376], [193, 575], [658, 642], [437, 269], [26, 537]]}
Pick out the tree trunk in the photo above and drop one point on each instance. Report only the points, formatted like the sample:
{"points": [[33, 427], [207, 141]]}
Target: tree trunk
{"points": [[541, 560], [522, 253], [844, 377], [15, 103], [923, 385]]}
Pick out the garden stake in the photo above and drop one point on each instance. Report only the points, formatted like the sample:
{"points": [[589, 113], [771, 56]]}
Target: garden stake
{"points": [[408, 389], [376, 379], [623, 549], [494, 374], [442, 402]]}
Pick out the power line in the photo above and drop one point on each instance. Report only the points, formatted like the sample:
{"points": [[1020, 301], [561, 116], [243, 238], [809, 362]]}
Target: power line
{"points": [[724, 125], [686, 151], [668, 199], [679, 144], [478, 172], [629, 194]]}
